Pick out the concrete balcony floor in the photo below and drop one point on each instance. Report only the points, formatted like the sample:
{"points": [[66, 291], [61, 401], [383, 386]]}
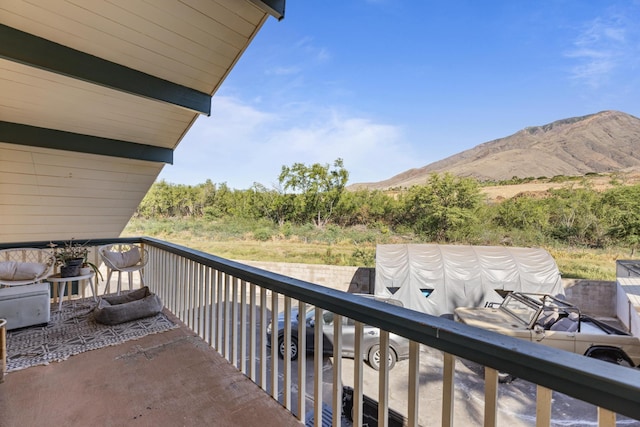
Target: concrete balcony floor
{"points": [[166, 379]]}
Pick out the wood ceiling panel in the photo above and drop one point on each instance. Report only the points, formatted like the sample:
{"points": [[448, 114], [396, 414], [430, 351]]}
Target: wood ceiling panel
{"points": [[239, 18], [72, 189], [145, 36], [26, 210], [46, 162], [71, 203], [39, 98]]}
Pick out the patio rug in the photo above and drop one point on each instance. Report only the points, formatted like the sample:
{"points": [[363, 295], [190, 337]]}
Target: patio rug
{"points": [[73, 330]]}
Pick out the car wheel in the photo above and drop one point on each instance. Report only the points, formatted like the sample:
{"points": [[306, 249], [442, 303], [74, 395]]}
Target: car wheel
{"points": [[282, 349], [374, 357], [611, 357]]}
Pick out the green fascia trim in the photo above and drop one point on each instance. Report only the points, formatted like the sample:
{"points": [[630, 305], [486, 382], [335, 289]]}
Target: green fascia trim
{"points": [[274, 8], [15, 133], [25, 48]]}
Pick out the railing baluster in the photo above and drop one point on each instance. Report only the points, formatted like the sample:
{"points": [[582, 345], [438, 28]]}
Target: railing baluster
{"points": [[448, 371], [413, 400], [208, 307], [337, 370], [286, 386], [358, 374], [220, 311], [274, 345], [318, 360], [490, 397], [234, 322], [172, 260], [263, 339], [243, 327], [227, 317], [201, 301], [191, 293], [183, 290], [252, 332], [606, 418], [302, 359], [383, 380], [543, 406]]}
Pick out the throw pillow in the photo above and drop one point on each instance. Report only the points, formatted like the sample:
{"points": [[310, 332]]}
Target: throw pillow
{"points": [[123, 259], [7, 270], [131, 257], [29, 270]]}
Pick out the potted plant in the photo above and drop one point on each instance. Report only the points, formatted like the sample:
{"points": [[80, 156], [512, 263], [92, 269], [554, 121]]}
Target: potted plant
{"points": [[71, 257], [87, 267]]}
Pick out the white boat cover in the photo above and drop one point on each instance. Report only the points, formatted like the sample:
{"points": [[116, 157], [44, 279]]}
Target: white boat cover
{"points": [[461, 276]]}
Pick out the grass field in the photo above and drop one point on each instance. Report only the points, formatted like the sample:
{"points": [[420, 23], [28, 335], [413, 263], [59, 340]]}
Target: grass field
{"points": [[253, 241]]}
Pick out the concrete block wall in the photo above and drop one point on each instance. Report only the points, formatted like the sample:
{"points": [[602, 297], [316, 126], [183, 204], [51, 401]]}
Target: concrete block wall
{"points": [[348, 279], [594, 297]]}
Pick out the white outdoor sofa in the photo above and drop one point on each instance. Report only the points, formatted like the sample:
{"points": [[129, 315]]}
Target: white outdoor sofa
{"points": [[25, 298]]}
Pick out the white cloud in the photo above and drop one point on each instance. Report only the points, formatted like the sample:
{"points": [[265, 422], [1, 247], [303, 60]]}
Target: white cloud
{"points": [[241, 145], [601, 48]]}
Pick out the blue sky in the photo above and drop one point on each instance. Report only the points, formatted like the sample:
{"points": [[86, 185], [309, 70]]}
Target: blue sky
{"points": [[390, 85]]}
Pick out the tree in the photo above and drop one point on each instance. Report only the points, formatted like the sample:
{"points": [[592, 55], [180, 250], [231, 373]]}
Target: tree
{"points": [[318, 189], [443, 208], [522, 212], [575, 216], [272, 204], [623, 207]]}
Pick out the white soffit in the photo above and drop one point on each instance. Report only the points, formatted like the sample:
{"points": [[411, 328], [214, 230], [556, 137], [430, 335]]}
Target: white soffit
{"points": [[191, 42], [57, 179], [40, 98]]}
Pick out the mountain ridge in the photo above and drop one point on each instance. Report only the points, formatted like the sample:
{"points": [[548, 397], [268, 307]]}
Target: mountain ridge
{"points": [[602, 142]]}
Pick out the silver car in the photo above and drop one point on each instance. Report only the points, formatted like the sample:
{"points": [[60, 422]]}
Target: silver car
{"points": [[398, 346]]}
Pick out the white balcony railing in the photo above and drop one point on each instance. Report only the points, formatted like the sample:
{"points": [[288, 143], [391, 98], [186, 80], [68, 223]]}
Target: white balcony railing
{"points": [[231, 306]]}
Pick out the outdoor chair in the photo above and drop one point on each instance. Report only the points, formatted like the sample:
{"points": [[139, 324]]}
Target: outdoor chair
{"points": [[123, 258], [24, 266]]}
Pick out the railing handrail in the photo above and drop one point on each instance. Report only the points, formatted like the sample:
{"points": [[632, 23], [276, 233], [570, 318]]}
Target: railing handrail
{"points": [[89, 242]]}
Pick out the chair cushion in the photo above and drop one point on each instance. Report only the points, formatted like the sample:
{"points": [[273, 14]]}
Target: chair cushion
{"points": [[14, 270], [123, 259]]}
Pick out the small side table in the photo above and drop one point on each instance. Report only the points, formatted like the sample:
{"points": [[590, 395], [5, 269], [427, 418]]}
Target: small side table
{"points": [[56, 279]]}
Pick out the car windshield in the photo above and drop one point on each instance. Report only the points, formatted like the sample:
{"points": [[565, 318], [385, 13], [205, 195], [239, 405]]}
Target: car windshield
{"points": [[521, 308]]}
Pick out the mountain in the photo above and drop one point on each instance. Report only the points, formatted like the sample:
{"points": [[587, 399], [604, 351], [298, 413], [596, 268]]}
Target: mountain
{"points": [[603, 142]]}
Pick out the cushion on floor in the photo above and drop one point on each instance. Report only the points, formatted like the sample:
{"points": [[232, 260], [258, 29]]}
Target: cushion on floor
{"points": [[118, 309]]}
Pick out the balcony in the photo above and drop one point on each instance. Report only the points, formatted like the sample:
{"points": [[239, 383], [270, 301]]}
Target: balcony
{"points": [[216, 368]]}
